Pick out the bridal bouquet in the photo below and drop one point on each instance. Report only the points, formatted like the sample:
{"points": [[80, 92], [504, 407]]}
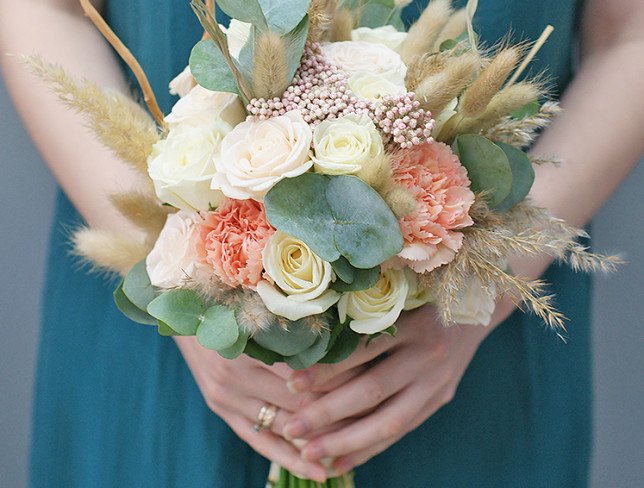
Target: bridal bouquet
{"points": [[322, 172]]}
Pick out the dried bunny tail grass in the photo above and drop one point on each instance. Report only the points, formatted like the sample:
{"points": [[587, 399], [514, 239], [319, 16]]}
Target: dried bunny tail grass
{"points": [[522, 133], [423, 34], [423, 67], [341, 25], [251, 313], [401, 201], [321, 14], [270, 69], [108, 251], [436, 91], [455, 26], [118, 121], [480, 93], [142, 210], [378, 173]]}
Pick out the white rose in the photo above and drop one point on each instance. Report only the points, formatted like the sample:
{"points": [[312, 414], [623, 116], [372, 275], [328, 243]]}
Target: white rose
{"points": [[447, 113], [257, 154], [182, 83], [202, 106], [377, 308], [386, 35], [416, 296], [182, 165], [364, 57], [301, 279], [344, 145], [475, 304], [376, 86], [174, 256]]}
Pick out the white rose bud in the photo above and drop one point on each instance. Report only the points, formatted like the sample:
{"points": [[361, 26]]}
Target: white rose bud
{"points": [[182, 83], [377, 308], [202, 106], [345, 145], [375, 87], [386, 35], [182, 165], [237, 34], [301, 279], [364, 57], [174, 256], [257, 154], [474, 305]]}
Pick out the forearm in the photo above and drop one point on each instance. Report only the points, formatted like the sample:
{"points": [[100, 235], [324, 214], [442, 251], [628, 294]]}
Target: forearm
{"points": [[57, 31]]}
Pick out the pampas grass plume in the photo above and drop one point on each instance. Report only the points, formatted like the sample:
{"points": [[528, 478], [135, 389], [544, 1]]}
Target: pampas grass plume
{"points": [[423, 34], [107, 251], [270, 68]]}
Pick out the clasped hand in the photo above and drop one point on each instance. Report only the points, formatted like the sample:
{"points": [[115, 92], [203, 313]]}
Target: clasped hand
{"points": [[347, 412]]}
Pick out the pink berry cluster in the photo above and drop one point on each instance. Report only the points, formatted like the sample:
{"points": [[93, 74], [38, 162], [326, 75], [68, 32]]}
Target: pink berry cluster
{"points": [[320, 91]]}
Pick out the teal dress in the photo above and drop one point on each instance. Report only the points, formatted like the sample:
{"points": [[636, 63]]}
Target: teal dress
{"points": [[117, 407]]}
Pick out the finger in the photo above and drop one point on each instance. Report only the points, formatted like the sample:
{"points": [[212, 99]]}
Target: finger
{"points": [[263, 384], [340, 380], [276, 449], [359, 395], [320, 374], [392, 420]]}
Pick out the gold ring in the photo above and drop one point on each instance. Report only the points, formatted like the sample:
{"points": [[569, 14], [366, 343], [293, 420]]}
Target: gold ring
{"points": [[265, 417]]}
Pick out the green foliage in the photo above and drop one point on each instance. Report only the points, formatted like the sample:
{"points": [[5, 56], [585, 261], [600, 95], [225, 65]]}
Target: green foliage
{"points": [[313, 354], [182, 310], [137, 287], [262, 354], [376, 13], [342, 344], [353, 279], [336, 216], [528, 110], [296, 339], [246, 11], [295, 41], [237, 349], [218, 329], [165, 330], [210, 69], [130, 310], [522, 176], [487, 166], [283, 16]]}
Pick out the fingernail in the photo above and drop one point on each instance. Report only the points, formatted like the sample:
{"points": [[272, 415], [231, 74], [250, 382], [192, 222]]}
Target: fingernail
{"points": [[299, 382], [313, 453], [295, 429]]}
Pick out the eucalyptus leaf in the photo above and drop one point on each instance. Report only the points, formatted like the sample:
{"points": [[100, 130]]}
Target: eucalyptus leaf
{"points": [[249, 11], [342, 344], [165, 330], [137, 287], [286, 342], [522, 176], [181, 309], [313, 354], [376, 15], [447, 45], [262, 354], [237, 349], [487, 166], [295, 42], [344, 270], [218, 329], [210, 69], [361, 279], [336, 216], [283, 16], [130, 310], [528, 110]]}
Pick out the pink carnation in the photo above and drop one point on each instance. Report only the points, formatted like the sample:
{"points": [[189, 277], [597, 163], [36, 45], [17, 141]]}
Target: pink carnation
{"points": [[232, 240], [439, 182]]}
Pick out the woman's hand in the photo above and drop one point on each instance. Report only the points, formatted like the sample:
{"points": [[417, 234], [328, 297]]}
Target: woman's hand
{"points": [[420, 374], [236, 391]]}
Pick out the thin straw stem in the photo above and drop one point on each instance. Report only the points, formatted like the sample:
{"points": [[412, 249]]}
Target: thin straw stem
{"points": [[533, 52]]}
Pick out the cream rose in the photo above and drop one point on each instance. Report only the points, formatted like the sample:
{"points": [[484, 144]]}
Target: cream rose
{"points": [[376, 86], [174, 256], [387, 35], [183, 164], [345, 145], [257, 154], [377, 308], [475, 304], [301, 279], [202, 106], [182, 83], [416, 296], [364, 57]]}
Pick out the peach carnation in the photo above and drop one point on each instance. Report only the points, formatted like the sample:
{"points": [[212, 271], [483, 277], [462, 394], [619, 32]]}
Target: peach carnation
{"points": [[232, 239], [439, 183]]}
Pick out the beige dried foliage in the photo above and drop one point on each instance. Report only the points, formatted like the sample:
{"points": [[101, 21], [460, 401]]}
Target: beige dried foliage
{"points": [[423, 67], [270, 66], [108, 251], [341, 25], [480, 93], [321, 13], [436, 91], [522, 133], [401, 201], [118, 122], [455, 26], [423, 34], [378, 173], [142, 210]]}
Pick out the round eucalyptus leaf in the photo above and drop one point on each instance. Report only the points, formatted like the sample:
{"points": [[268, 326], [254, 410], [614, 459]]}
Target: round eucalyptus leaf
{"points": [[137, 287], [182, 310], [218, 329], [210, 69], [237, 349], [487, 166], [362, 279], [522, 176], [262, 354], [165, 330], [130, 310], [286, 342], [342, 346], [313, 354]]}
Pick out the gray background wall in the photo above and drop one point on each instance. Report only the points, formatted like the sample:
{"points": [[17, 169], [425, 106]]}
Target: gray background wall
{"points": [[26, 198]]}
